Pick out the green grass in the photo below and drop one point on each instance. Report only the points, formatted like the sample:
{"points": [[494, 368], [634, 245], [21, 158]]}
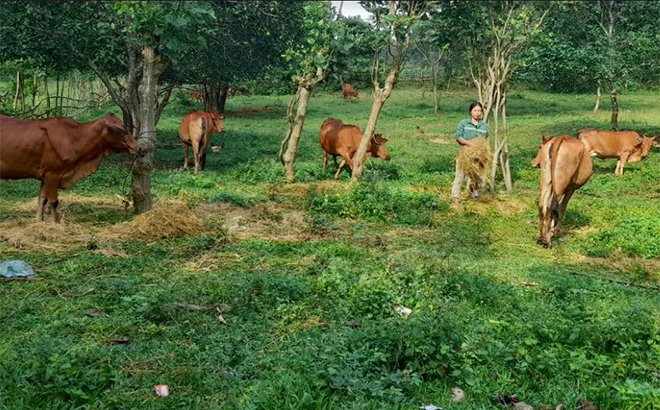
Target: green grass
{"points": [[352, 254]]}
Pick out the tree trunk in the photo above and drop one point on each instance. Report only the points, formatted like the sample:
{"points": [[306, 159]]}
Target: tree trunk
{"points": [[57, 93], [222, 99], [598, 95], [435, 91], [153, 65], [47, 93], [380, 96], [506, 169], [290, 143], [18, 89], [615, 109]]}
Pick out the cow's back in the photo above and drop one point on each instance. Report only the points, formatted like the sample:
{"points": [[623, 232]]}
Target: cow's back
{"points": [[609, 144], [22, 144], [337, 138]]}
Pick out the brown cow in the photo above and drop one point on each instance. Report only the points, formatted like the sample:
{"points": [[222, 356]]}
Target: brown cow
{"points": [[348, 91], [195, 95], [336, 138], [626, 146], [195, 130], [59, 151], [565, 166]]}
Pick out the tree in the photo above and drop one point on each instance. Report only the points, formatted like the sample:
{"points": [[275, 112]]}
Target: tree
{"points": [[128, 46], [311, 59], [394, 24], [492, 53], [431, 41]]}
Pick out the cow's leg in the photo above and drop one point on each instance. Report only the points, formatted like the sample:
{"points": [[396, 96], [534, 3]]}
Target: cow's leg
{"points": [[341, 165], [50, 189], [42, 202], [622, 161], [196, 147], [545, 219], [334, 157], [325, 159], [185, 156], [562, 208], [202, 154]]}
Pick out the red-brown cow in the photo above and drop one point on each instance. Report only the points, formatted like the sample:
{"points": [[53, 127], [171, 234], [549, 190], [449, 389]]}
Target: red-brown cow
{"points": [[348, 91], [59, 151], [565, 166], [626, 146], [195, 95], [195, 130], [336, 138]]}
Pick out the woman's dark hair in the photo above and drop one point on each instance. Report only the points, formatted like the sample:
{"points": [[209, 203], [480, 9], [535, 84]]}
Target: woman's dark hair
{"points": [[474, 104]]}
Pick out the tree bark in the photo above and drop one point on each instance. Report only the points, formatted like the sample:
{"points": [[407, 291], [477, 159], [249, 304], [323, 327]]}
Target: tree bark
{"points": [[222, 99], [615, 109], [47, 93], [18, 89], [380, 96], [153, 65], [598, 96], [289, 146], [435, 91], [290, 143]]}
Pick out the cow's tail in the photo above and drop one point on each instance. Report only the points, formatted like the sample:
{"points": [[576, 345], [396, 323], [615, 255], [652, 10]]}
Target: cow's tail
{"points": [[553, 152]]}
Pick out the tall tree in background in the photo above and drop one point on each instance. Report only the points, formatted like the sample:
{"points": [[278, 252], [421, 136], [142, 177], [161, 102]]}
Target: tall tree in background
{"points": [[492, 49], [431, 41], [311, 59], [394, 22]]}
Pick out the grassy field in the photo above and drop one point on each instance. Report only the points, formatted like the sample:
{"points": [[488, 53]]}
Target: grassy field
{"points": [[492, 312]]}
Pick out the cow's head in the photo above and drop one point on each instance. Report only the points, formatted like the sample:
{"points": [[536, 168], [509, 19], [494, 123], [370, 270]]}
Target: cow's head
{"points": [[377, 147], [215, 118], [646, 145], [117, 135], [536, 162]]}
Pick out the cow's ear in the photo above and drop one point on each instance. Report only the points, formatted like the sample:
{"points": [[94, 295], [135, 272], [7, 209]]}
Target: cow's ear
{"points": [[118, 129], [655, 143]]}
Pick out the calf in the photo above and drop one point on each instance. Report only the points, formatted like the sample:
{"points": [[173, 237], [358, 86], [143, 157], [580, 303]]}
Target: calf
{"points": [[59, 151], [565, 166], [195, 130], [336, 138], [348, 91], [626, 146]]}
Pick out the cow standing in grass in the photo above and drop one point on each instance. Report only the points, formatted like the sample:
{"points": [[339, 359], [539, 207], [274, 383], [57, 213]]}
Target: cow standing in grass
{"points": [[59, 151], [565, 166], [337, 138], [348, 91], [625, 146], [195, 131]]}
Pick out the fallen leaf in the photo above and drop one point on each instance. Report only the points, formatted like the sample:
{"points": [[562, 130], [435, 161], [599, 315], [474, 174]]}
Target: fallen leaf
{"points": [[119, 340]]}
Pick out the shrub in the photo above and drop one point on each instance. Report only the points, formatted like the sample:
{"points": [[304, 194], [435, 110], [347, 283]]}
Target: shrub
{"points": [[634, 236]]}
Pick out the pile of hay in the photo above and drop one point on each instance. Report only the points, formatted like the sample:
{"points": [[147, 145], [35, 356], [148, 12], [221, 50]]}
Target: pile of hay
{"points": [[475, 159], [164, 221], [28, 234]]}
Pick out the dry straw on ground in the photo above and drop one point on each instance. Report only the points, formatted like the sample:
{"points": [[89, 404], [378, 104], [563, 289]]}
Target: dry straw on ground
{"points": [[475, 159], [165, 221]]}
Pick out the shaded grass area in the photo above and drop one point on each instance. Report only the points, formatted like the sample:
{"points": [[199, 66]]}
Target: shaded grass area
{"points": [[493, 313]]}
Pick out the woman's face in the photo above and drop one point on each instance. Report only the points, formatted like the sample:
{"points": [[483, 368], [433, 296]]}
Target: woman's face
{"points": [[476, 112]]}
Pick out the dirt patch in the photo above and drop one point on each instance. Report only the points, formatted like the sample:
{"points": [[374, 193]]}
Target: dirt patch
{"points": [[441, 141]]}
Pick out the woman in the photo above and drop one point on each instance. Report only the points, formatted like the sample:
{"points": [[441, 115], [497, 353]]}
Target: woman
{"points": [[465, 131]]}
